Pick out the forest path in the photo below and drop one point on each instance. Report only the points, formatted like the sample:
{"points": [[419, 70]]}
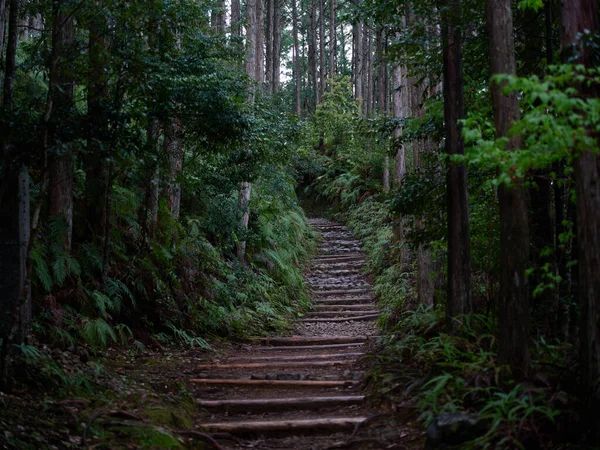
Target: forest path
{"points": [[303, 391]]}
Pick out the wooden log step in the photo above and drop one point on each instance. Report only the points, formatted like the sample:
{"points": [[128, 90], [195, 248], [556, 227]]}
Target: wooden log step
{"points": [[363, 299], [325, 314], [301, 425], [309, 347], [296, 357], [347, 257], [317, 340], [346, 291], [272, 383], [357, 268], [341, 307], [277, 364], [330, 272], [278, 404], [339, 289], [343, 319]]}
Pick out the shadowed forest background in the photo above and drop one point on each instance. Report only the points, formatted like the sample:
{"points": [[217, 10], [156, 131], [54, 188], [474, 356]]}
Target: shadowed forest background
{"points": [[156, 154]]}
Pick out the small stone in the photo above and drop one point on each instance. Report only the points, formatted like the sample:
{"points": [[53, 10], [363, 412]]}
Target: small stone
{"points": [[288, 376]]}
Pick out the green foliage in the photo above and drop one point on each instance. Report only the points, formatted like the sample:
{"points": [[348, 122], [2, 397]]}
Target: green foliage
{"points": [[555, 123], [52, 263], [339, 154], [462, 375], [185, 338]]}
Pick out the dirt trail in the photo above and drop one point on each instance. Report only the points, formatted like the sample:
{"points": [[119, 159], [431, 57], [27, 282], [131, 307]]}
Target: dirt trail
{"points": [[303, 391]]}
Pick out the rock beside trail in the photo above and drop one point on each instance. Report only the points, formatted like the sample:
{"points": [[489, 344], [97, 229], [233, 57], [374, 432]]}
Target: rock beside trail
{"points": [[449, 429]]}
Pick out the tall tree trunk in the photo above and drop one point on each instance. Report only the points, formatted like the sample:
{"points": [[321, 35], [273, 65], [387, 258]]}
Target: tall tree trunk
{"points": [[365, 68], [153, 182], [322, 71], [332, 38], [97, 166], [253, 39], [423, 255], [576, 16], [15, 276], [358, 61], [381, 103], [217, 17], [260, 41], [312, 53], [269, 42], [399, 104], [173, 147], [297, 73], [244, 207], [513, 310], [459, 301], [235, 25], [96, 161], [2, 30], [60, 96], [369, 72], [277, 20]]}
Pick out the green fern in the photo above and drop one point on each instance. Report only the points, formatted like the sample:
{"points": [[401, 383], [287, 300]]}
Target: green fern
{"points": [[97, 332], [41, 273], [116, 289]]}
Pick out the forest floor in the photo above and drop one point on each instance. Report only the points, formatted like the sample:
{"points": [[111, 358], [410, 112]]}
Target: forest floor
{"points": [[305, 391]]}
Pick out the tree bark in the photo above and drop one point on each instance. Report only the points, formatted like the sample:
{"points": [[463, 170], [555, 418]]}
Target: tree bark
{"points": [[399, 103], [575, 17], [358, 61], [365, 68], [459, 301], [60, 99], [322, 71], [152, 187], [277, 21], [15, 276], [235, 25], [217, 17], [312, 53], [513, 308], [332, 38], [2, 30], [269, 47], [244, 207], [369, 82], [98, 144], [173, 147], [260, 41], [297, 73], [252, 61]]}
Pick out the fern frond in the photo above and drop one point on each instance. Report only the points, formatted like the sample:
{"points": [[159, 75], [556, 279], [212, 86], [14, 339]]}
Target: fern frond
{"points": [[40, 267], [59, 269], [97, 332]]}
